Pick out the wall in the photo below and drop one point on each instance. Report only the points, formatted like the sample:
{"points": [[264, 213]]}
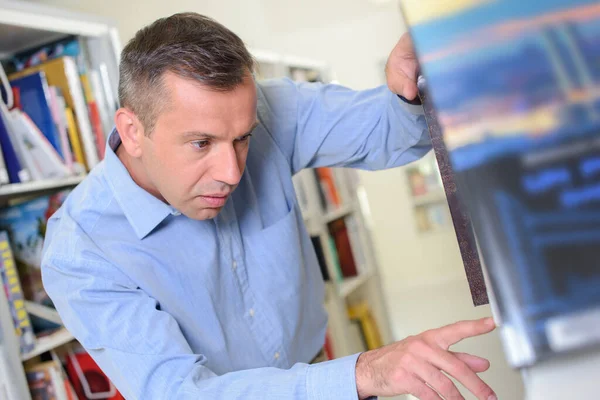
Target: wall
{"points": [[423, 278]]}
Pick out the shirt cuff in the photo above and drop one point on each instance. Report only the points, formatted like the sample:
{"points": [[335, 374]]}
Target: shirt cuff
{"points": [[336, 377], [416, 109]]}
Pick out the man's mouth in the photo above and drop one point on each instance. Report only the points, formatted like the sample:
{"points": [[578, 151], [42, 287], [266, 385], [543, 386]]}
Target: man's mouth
{"points": [[215, 200]]}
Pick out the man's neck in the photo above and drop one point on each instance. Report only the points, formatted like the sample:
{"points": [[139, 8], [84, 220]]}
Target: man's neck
{"points": [[136, 171]]}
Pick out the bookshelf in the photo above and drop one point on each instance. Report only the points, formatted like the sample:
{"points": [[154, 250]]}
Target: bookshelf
{"points": [[25, 26], [321, 215], [429, 203], [13, 190]]}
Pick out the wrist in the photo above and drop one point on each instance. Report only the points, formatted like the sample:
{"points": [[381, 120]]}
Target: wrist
{"points": [[414, 102], [364, 376]]}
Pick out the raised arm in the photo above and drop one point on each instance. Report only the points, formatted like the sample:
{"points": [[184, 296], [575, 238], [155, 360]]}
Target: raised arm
{"points": [[330, 125], [318, 124]]}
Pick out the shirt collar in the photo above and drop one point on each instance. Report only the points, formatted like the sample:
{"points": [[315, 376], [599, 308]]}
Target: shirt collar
{"points": [[143, 211]]}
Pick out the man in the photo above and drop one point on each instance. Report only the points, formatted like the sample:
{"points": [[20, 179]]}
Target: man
{"points": [[182, 264]]}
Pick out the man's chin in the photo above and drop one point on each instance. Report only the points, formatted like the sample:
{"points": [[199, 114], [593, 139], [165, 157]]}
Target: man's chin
{"points": [[205, 213]]}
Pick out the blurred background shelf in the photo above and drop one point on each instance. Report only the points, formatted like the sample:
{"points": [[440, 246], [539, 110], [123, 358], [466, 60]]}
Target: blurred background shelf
{"points": [[349, 285], [80, 95], [50, 342], [435, 196], [339, 213], [36, 187]]}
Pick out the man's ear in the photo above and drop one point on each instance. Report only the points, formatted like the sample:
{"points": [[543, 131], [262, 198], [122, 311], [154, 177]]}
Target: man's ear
{"points": [[130, 130]]}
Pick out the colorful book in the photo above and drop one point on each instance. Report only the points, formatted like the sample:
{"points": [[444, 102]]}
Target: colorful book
{"points": [[511, 94], [35, 101], [339, 233], [63, 73], [58, 114], [14, 295], [11, 160], [44, 161], [46, 381], [25, 224], [361, 313]]}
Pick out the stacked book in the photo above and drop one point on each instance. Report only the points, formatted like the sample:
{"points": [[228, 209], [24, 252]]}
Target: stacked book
{"points": [[54, 116]]}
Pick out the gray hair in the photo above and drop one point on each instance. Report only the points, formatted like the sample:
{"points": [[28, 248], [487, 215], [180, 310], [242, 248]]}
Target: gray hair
{"points": [[189, 45]]}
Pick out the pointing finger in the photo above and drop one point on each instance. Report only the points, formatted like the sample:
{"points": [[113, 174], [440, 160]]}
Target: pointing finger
{"points": [[454, 333]]}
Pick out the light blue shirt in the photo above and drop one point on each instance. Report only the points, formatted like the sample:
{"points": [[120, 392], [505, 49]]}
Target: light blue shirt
{"points": [[232, 308]]}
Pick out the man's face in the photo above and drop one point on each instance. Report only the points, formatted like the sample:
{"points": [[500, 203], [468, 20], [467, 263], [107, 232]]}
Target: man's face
{"points": [[196, 155]]}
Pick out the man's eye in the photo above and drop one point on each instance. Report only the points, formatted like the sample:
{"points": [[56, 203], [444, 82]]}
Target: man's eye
{"points": [[200, 144], [245, 138]]}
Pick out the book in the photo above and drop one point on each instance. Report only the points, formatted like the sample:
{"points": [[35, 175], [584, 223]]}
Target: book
{"points": [[339, 233], [57, 107], [14, 294], [44, 161], [35, 102], [361, 314], [45, 380], [356, 243], [512, 90], [336, 260], [62, 72], [329, 189], [316, 241], [88, 379], [12, 171], [25, 224], [74, 136]]}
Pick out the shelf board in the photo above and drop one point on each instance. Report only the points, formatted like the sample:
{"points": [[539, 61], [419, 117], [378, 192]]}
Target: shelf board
{"points": [[349, 285], [24, 25], [46, 343], [339, 213], [23, 189], [42, 311], [437, 196]]}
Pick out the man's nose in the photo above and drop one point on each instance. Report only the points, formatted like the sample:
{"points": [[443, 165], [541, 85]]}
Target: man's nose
{"points": [[227, 168]]}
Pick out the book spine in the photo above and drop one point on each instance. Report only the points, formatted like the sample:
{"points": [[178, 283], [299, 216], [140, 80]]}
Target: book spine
{"points": [[336, 261], [14, 294], [327, 182], [61, 126], [81, 113], [356, 244]]}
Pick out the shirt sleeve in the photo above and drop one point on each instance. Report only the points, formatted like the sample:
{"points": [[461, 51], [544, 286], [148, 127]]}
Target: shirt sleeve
{"points": [[317, 124], [144, 353]]}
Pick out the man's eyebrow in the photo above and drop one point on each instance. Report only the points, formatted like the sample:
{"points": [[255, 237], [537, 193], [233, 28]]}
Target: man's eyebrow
{"points": [[210, 136], [199, 135]]}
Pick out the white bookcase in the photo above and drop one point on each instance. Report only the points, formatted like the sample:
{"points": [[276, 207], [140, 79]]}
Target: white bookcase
{"points": [[366, 285], [24, 26], [27, 25]]}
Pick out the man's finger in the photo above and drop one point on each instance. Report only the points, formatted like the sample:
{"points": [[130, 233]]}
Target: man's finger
{"points": [[437, 380], [454, 333], [477, 364], [421, 391], [462, 373], [403, 85]]}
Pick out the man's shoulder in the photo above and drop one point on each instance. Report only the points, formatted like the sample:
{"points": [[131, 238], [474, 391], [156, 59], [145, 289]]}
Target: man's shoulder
{"points": [[70, 230]]}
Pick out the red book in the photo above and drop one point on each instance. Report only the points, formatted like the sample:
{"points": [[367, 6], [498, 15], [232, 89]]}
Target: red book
{"points": [[339, 232]]}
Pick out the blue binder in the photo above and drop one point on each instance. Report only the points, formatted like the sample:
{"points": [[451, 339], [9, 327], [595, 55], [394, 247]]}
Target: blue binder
{"points": [[35, 102], [13, 165]]}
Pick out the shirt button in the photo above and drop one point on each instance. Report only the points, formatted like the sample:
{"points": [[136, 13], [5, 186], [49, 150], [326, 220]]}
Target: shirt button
{"points": [[234, 264], [251, 312], [277, 355], [176, 213]]}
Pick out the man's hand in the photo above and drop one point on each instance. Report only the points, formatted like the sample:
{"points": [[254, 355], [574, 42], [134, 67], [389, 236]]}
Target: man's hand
{"points": [[416, 365], [402, 68]]}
